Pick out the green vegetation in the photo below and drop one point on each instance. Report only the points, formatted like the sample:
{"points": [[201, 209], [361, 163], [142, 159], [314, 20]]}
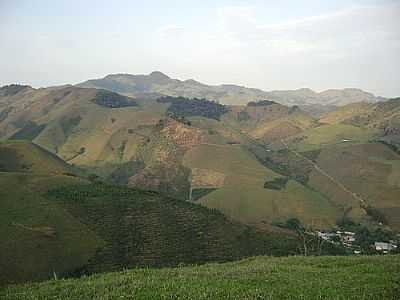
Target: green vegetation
{"points": [[29, 132], [112, 100], [367, 236], [124, 171], [56, 224], [142, 228], [312, 155], [395, 148], [243, 196], [39, 238], [341, 278], [369, 170], [261, 103], [328, 135], [69, 124], [376, 214], [184, 107], [233, 158], [24, 156], [284, 162], [276, 184]]}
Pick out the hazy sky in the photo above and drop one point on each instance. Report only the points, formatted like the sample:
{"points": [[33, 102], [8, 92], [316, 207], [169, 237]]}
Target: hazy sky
{"points": [[266, 44]]}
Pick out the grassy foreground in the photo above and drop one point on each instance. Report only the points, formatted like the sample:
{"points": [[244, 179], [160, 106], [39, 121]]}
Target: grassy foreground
{"points": [[374, 277]]}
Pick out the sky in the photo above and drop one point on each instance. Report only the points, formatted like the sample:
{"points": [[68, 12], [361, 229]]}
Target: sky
{"points": [[271, 45]]}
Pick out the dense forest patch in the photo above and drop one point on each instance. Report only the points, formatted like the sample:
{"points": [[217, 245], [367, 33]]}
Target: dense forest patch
{"points": [[113, 100], [184, 107]]}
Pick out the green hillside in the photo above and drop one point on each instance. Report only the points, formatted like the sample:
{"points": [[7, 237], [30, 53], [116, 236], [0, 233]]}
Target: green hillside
{"points": [[53, 222], [63, 225], [330, 135], [340, 278], [24, 156], [371, 171], [38, 236], [239, 179], [143, 228]]}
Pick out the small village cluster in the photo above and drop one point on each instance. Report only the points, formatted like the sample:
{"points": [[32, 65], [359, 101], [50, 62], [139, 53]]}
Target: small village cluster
{"points": [[348, 240]]}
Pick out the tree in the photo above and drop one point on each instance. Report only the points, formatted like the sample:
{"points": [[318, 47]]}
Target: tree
{"points": [[364, 238], [295, 225]]}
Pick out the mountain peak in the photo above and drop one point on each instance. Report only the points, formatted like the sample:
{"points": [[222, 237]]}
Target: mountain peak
{"points": [[308, 90], [158, 75]]}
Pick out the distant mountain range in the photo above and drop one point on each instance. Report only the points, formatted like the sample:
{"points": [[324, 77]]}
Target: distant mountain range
{"points": [[160, 84], [259, 165]]}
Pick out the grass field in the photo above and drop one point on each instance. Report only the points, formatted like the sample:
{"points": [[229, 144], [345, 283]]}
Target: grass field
{"points": [[37, 236], [243, 197], [24, 156], [370, 170], [338, 278], [252, 203], [327, 135]]}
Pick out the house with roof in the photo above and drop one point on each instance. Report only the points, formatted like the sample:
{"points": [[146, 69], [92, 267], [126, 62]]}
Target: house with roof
{"points": [[384, 247]]}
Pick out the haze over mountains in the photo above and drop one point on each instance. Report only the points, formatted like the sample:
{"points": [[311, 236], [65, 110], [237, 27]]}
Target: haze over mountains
{"points": [[159, 83]]}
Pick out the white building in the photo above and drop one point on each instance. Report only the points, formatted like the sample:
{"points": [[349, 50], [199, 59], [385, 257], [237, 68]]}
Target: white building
{"points": [[384, 247]]}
